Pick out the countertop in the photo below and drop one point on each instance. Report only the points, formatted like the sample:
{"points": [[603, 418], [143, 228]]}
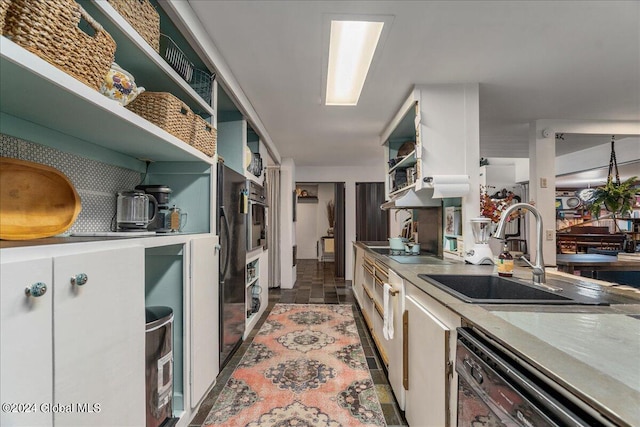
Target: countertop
{"points": [[593, 351]]}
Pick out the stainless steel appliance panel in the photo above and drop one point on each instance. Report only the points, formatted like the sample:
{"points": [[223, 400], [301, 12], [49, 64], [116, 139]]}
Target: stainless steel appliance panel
{"points": [[231, 229], [494, 389], [256, 221]]}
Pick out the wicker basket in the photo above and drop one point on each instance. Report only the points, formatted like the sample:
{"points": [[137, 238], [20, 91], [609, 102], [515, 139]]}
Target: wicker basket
{"points": [[4, 6], [200, 80], [165, 111], [143, 17], [52, 30], [203, 136]]}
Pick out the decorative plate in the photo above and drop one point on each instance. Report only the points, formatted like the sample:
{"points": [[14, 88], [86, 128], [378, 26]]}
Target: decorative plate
{"points": [[572, 202]]}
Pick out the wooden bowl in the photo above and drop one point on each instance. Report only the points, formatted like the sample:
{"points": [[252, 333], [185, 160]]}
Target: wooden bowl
{"points": [[35, 200]]}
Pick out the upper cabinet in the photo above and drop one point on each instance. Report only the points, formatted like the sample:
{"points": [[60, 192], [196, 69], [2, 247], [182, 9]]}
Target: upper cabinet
{"points": [[433, 139], [255, 157], [239, 145], [404, 148]]}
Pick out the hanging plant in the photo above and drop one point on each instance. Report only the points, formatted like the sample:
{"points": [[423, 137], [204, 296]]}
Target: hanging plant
{"points": [[617, 197]]}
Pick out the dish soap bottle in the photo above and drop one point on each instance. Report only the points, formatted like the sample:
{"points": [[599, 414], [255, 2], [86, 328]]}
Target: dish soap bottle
{"points": [[505, 262]]}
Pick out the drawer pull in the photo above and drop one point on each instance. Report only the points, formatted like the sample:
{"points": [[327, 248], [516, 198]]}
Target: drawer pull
{"points": [[36, 290], [79, 279]]}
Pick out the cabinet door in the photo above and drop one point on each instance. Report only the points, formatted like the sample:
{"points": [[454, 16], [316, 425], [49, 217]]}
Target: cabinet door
{"points": [[26, 359], [358, 273], [427, 394], [99, 338], [204, 316], [395, 344]]}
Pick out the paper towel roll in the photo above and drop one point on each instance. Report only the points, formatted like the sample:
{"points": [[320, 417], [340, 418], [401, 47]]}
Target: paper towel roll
{"points": [[450, 179], [450, 185]]}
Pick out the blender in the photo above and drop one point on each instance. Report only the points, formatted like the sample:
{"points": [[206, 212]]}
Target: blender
{"points": [[481, 252]]}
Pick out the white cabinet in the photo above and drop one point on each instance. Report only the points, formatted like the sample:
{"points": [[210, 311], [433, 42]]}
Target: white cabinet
{"points": [[204, 316], [26, 350], [369, 280], [443, 121], [358, 274], [430, 352], [395, 345], [98, 330], [80, 346]]}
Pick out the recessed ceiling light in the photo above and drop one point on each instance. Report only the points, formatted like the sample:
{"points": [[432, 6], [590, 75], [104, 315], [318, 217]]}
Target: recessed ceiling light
{"points": [[351, 48]]}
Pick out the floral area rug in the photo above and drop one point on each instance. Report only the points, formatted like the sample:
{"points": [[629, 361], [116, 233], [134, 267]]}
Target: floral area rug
{"points": [[305, 367]]}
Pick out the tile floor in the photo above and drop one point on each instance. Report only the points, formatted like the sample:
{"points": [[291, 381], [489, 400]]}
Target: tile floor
{"points": [[315, 284]]}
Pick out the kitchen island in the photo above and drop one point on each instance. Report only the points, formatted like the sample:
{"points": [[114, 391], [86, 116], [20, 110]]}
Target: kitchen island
{"points": [[592, 351]]}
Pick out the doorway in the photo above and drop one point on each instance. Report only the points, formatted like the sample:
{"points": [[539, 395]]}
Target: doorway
{"points": [[315, 238], [372, 223]]}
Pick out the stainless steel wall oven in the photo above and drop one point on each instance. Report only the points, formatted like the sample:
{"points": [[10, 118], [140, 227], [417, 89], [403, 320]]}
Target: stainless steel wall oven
{"points": [[256, 221]]}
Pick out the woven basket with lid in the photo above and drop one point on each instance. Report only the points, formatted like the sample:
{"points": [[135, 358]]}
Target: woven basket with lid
{"points": [[165, 111], [143, 17], [52, 30]]}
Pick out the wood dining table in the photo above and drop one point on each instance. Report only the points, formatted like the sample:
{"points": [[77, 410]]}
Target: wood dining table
{"points": [[569, 263]]}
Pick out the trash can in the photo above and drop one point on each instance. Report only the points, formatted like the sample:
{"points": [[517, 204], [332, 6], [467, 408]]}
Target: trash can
{"points": [[159, 364]]}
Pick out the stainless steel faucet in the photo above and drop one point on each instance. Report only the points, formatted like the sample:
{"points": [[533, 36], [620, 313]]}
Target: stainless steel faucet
{"points": [[539, 276]]}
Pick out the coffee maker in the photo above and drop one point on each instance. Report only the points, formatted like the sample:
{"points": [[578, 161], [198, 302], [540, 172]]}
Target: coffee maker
{"points": [[161, 193]]}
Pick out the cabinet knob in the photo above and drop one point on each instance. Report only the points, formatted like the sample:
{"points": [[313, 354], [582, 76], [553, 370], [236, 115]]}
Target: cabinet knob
{"points": [[79, 279], [36, 290]]}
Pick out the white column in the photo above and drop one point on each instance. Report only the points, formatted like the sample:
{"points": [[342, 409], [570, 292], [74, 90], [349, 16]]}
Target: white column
{"points": [[471, 202], [542, 188], [287, 226]]}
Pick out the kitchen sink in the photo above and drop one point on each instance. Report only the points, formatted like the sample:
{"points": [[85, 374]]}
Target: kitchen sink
{"points": [[488, 289]]}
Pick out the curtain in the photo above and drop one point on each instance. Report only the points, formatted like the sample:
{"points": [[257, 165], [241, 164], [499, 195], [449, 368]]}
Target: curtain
{"points": [[273, 224], [339, 229]]}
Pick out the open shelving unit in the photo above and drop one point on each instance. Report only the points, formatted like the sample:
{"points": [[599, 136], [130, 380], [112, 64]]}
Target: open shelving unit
{"points": [[253, 290], [452, 227], [56, 101], [41, 104], [135, 55]]}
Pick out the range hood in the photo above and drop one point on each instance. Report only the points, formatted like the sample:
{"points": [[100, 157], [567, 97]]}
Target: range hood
{"points": [[433, 190], [412, 199]]}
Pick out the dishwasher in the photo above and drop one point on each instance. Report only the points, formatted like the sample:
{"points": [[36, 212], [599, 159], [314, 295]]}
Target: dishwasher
{"points": [[495, 388]]}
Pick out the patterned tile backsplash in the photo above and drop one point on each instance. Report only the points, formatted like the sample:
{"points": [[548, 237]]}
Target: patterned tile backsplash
{"points": [[97, 183]]}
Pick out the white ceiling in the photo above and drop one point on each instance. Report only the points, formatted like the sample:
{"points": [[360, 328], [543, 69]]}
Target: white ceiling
{"points": [[533, 60]]}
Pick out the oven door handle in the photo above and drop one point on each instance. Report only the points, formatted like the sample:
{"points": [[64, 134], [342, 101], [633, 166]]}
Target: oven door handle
{"points": [[475, 372]]}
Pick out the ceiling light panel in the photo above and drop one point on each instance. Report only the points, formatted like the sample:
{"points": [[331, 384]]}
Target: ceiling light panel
{"points": [[352, 45]]}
